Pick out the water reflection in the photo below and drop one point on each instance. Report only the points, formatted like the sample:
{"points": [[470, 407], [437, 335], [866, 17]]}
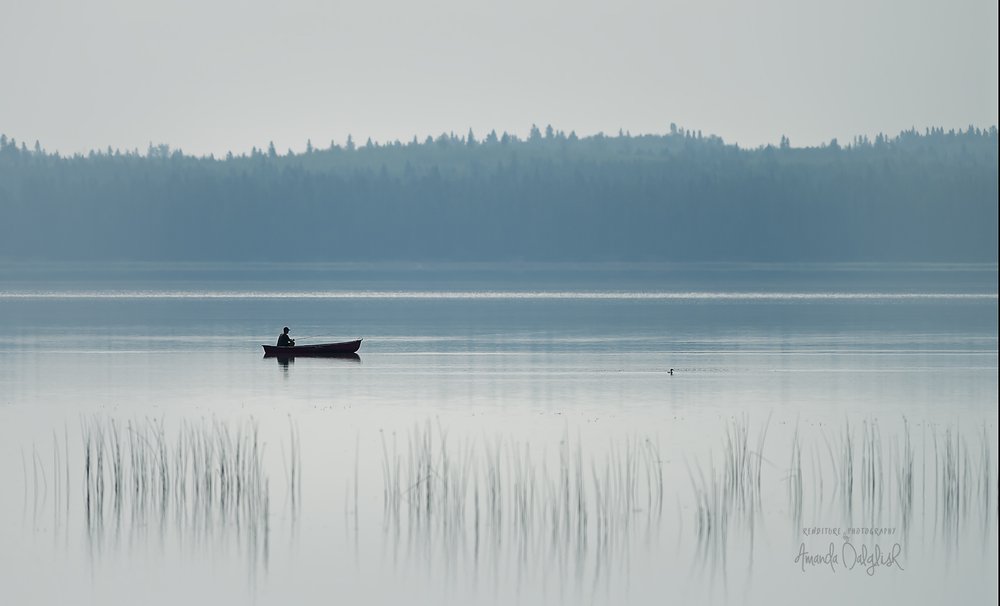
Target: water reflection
{"points": [[865, 487], [512, 513], [206, 483], [200, 485], [286, 361], [501, 510], [507, 511]]}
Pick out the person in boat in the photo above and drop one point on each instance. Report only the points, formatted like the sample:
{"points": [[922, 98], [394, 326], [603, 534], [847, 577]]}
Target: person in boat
{"points": [[284, 340]]}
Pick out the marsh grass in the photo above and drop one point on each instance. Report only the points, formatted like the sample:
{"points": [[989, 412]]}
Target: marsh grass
{"points": [[505, 506], [729, 496], [964, 481], [795, 479], [293, 468], [201, 482], [501, 506], [941, 479]]}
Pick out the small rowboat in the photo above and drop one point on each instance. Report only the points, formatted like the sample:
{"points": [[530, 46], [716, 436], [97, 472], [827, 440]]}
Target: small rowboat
{"points": [[315, 351]]}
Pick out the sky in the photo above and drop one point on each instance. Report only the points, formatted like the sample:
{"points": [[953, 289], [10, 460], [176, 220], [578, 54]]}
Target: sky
{"points": [[210, 76]]}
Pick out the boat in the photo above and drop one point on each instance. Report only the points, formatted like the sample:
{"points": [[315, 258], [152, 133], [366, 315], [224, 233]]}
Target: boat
{"points": [[320, 350]]}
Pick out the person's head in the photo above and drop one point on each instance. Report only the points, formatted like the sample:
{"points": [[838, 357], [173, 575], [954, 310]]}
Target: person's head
{"points": [[286, 330]]}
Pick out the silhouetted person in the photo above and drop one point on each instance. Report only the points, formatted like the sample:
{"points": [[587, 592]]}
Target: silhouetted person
{"points": [[284, 340]]}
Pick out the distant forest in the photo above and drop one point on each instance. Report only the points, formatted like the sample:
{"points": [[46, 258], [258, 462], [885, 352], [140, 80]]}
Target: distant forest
{"points": [[681, 196]]}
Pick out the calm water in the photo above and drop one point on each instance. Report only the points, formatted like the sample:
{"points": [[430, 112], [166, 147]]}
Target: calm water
{"points": [[509, 434]]}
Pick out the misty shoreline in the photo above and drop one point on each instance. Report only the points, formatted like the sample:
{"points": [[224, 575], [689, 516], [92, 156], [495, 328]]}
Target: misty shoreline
{"points": [[676, 198]]}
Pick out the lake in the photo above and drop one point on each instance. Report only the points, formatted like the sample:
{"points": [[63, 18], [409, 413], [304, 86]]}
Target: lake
{"points": [[509, 434]]}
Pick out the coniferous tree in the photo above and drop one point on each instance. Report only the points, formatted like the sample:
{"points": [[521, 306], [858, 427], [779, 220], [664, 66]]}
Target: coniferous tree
{"points": [[920, 195]]}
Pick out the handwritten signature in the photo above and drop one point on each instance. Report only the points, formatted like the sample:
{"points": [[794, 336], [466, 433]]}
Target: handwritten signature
{"points": [[851, 557]]}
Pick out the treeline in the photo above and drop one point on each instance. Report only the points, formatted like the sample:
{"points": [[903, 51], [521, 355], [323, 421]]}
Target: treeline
{"points": [[917, 196]]}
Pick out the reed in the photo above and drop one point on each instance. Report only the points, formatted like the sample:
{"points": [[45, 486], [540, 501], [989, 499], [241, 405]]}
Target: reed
{"points": [[878, 481], [502, 503], [293, 467], [206, 480], [795, 479], [483, 501], [729, 496]]}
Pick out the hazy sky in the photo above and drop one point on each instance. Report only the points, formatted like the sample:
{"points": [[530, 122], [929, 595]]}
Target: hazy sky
{"points": [[214, 75]]}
